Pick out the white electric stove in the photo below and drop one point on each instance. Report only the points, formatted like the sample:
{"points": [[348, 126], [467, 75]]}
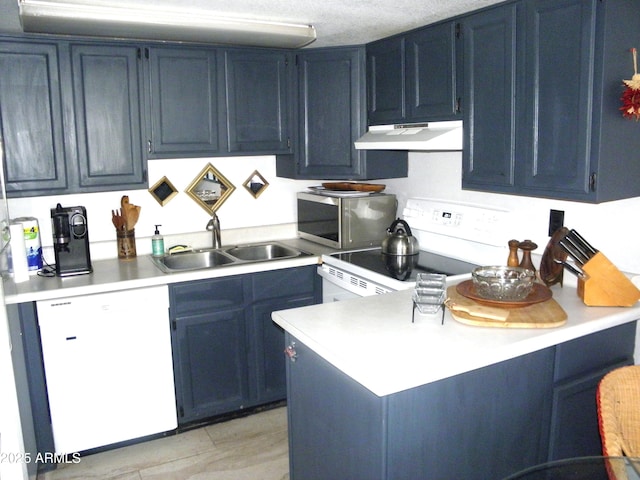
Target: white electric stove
{"points": [[453, 239]]}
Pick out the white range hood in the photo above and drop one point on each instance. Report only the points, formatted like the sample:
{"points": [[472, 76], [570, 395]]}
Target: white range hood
{"points": [[430, 137]]}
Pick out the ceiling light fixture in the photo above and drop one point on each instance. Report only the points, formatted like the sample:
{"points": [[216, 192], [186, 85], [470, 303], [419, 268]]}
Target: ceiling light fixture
{"points": [[85, 18]]}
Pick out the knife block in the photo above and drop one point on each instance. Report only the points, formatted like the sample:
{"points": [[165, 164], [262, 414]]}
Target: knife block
{"points": [[606, 286]]}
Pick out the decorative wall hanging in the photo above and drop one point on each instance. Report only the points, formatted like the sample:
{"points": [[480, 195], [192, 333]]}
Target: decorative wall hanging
{"points": [[256, 184], [631, 96], [163, 191], [210, 189]]}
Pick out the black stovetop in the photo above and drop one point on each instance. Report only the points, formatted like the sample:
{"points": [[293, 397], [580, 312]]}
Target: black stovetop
{"points": [[406, 267]]}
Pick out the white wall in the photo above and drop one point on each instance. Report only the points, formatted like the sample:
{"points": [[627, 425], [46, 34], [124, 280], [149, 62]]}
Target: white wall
{"points": [[181, 214], [612, 227]]}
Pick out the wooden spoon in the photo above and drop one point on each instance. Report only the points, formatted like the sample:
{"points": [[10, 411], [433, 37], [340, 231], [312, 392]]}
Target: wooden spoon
{"points": [[124, 204], [118, 220], [133, 213]]}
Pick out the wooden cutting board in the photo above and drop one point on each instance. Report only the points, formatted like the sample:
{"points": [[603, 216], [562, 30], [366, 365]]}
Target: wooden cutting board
{"points": [[548, 314], [351, 186]]}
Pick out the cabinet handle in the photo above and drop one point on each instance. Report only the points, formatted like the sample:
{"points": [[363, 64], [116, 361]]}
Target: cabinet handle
{"points": [[290, 352], [592, 182], [148, 146]]}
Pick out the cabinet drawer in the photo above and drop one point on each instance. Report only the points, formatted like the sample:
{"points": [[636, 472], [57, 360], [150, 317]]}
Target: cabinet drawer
{"points": [[595, 351], [206, 295], [287, 282]]}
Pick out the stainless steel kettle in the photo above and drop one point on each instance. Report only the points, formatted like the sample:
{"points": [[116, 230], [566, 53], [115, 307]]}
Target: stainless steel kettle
{"points": [[399, 240]]}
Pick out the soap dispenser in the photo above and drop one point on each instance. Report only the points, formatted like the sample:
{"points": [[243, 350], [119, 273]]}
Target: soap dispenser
{"points": [[157, 243]]}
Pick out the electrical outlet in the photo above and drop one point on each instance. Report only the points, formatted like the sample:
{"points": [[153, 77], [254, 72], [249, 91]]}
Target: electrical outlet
{"points": [[556, 220]]}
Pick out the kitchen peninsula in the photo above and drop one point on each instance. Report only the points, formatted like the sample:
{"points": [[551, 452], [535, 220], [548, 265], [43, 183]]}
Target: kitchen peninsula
{"points": [[373, 395]]}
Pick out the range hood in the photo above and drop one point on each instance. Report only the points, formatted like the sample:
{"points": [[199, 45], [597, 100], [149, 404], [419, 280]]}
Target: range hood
{"points": [[430, 137]]}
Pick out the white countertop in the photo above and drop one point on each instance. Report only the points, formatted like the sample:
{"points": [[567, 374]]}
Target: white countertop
{"points": [[372, 339], [113, 274]]}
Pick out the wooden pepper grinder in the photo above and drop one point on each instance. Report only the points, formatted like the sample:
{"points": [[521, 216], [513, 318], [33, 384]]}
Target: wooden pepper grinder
{"points": [[513, 260], [527, 246]]}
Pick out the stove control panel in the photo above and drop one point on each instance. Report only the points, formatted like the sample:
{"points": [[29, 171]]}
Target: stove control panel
{"points": [[462, 221]]}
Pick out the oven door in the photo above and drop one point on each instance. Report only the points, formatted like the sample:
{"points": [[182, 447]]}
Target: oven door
{"points": [[335, 293]]}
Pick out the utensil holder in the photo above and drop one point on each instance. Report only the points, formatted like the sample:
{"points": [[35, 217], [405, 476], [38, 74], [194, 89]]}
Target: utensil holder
{"points": [[606, 286], [126, 244]]}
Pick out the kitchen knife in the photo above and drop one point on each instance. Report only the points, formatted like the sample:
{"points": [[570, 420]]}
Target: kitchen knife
{"points": [[571, 251], [576, 271], [586, 245], [578, 248]]}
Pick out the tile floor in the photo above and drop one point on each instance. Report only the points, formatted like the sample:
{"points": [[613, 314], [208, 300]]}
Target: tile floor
{"points": [[249, 448]]}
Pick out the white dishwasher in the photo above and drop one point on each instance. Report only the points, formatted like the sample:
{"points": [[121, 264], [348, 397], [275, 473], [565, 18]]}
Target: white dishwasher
{"points": [[108, 367]]}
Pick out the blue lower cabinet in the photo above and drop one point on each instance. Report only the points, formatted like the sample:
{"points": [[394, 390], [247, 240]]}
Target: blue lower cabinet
{"points": [[484, 424], [211, 363], [228, 353]]}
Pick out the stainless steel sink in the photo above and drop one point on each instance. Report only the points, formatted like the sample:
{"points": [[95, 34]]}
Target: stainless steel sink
{"points": [[193, 260], [266, 251], [235, 255]]}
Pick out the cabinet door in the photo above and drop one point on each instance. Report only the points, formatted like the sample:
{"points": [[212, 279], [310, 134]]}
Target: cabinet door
{"points": [[579, 366], [330, 414], [31, 119], [432, 73], [271, 377], [558, 80], [490, 99], [106, 86], [435, 429], [277, 290], [183, 102], [574, 418], [210, 358], [386, 81], [331, 99], [257, 101]]}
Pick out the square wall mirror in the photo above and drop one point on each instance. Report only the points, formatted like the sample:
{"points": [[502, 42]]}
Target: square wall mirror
{"points": [[210, 189], [256, 184], [163, 191]]}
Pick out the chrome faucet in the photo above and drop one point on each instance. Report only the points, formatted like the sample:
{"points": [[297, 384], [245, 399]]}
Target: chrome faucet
{"points": [[214, 226]]}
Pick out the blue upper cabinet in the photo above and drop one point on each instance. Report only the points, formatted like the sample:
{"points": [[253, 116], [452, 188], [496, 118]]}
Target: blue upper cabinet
{"points": [[330, 113], [183, 102], [558, 83], [209, 102], [433, 80], [576, 144], [542, 97], [331, 82], [31, 122], [107, 106], [415, 77], [258, 112], [386, 81], [490, 56]]}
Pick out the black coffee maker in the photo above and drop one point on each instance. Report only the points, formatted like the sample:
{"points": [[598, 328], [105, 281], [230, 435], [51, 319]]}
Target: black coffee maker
{"points": [[71, 240]]}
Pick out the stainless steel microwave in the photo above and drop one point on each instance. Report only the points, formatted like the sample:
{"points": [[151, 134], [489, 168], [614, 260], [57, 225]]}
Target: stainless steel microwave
{"points": [[345, 221]]}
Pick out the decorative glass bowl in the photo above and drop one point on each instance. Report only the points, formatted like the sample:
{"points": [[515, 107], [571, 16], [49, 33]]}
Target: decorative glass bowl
{"points": [[503, 283]]}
